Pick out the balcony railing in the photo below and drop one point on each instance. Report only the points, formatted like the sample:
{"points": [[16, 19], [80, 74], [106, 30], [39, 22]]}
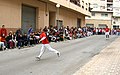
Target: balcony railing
{"points": [[76, 2], [109, 7], [109, 0]]}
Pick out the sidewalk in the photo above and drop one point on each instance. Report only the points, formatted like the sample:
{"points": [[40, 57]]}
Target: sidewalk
{"points": [[105, 63]]}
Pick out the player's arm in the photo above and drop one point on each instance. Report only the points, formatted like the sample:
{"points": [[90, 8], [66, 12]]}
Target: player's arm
{"points": [[42, 39]]}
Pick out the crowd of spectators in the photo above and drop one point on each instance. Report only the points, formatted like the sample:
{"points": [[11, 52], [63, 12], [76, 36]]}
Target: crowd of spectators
{"points": [[19, 40]]}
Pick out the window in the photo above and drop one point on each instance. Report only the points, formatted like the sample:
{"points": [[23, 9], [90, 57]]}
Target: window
{"points": [[82, 4], [89, 25], [93, 14], [104, 15], [102, 25], [102, 7], [95, 5], [115, 26], [109, 7], [83, 7]]}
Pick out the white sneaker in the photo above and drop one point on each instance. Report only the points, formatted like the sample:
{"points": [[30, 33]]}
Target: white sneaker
{"points": [[38, 58]]}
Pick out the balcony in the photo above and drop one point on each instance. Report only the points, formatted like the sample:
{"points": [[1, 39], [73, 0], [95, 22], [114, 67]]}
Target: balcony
{"points": [[109, 0], [109, 7], [76, 2], [74, 5]]}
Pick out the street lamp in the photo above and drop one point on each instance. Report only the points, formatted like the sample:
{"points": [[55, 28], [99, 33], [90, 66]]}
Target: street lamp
{"points": [[58, 6]]}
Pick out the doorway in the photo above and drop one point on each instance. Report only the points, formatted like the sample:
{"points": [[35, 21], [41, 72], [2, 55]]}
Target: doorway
{"points": [[52, 16], [59, 24], [28, 18], [78, 22]]}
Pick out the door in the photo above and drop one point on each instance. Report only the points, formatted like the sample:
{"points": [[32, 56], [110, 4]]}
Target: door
{"points": [[52, 17], [28, 18], [78, 22], [59, 24]]}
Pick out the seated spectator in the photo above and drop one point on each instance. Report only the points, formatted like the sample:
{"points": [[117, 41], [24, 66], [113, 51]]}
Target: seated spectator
{"points": [[25, 40], [37, 37], [10, 42], [32, 39], [14, 39], [53, 39], [61, 34], [68, 37], [2, 46], [78, 34], [57, 36], [19, 38]]}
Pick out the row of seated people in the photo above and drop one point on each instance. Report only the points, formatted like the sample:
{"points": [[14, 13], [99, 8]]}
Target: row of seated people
{"points": [[19, 40], [13, 41]]}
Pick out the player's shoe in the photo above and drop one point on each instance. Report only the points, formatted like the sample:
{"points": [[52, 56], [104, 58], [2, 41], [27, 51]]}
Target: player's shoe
{"points": [[58, 54], [38, 58]]}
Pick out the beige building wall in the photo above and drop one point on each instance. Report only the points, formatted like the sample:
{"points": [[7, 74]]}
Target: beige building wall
{"points": [[10, 13], [70, 18], [111, 7], [98, 18], [68, 4], [97, 22]]}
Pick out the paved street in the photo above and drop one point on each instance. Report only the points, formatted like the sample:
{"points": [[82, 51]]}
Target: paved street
{"points": [[107, 62], [74, 54]]}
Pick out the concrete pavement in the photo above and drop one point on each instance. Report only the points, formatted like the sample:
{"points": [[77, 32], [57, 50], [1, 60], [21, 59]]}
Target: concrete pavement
{"points": [[105, 63], [74, 54]]}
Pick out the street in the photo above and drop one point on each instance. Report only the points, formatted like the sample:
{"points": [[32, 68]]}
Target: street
{"points": [[74, 54]]}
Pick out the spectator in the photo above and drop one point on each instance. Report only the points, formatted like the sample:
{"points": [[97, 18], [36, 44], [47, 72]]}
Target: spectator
{"points": [[30, 30], [20, 40], [3, 34], [2, 46], [25, 40], [10, 42], [37, 34], [18, 32], [14, 39], [32, 39]]}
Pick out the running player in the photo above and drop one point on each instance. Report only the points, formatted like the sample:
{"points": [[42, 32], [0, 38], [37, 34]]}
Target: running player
{"points": [[45, 44], [107, 31]]}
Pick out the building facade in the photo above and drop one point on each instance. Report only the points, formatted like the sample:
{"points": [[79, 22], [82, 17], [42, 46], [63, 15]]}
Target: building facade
{"points": [[22, 14], [104, 13]]}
